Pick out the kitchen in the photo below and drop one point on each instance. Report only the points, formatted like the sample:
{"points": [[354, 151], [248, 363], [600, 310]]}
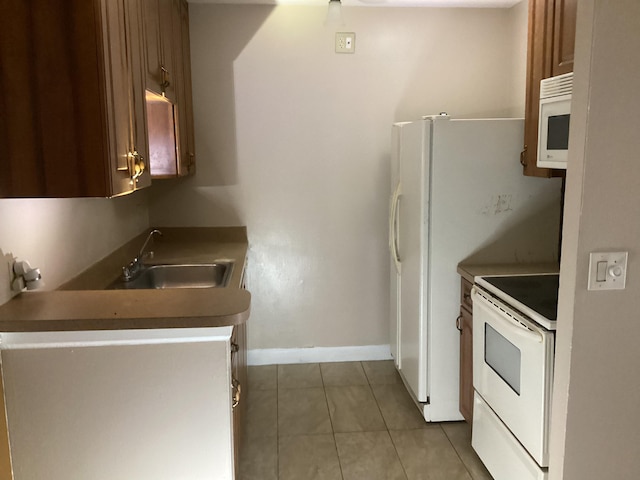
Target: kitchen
{"points": [[239, 128]]}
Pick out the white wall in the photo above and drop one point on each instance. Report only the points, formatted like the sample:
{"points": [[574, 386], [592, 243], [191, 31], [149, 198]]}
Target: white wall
{"points": [[64, 236], [293, 141], [596, 419]]}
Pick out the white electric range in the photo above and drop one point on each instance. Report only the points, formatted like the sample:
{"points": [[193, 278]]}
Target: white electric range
{"points": [[514, 322]]}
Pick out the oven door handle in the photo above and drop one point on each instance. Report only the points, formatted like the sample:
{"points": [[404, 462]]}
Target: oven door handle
{"points": [[501, 316]]}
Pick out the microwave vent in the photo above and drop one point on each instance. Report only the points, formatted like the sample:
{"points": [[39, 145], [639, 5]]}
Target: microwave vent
{"points": [[556, 86]]}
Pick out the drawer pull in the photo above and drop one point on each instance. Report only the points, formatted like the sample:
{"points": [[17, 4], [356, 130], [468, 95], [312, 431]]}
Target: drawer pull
{"points": [[234, 347]]}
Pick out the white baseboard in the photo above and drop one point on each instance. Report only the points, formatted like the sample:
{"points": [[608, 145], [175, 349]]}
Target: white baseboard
{"points": [[273, 356]]}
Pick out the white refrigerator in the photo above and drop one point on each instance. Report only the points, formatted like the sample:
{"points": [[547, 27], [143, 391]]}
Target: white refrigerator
{"points": [[458, 194]]}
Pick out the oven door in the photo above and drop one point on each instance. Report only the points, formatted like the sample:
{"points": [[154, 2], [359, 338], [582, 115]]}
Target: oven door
{"points": [[513, 370]]}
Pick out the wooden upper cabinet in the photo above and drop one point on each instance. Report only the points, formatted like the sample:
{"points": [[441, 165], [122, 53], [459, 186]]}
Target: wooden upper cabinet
{"points": [[69, 126], [168, 82], [551, 42]]}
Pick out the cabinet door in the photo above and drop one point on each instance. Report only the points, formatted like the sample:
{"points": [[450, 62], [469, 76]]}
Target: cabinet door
{"points": [[564, 36], [139, 130], [158, 46], [178, 78], [465, 325], [152, 45], [124, 91], [118, 86], [167, 15], [187, 135]]}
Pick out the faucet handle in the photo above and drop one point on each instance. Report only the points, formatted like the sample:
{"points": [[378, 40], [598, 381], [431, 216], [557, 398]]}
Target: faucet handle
{"points": [[126, 273]]}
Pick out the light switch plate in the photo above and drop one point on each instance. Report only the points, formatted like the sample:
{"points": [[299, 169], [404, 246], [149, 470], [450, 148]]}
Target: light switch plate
{"points": [[345, 42], [607, 270]]}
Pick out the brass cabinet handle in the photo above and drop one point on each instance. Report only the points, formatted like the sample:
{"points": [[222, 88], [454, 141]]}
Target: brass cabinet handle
{"points": [[523, 157], [136, 166], [458, 325], [236, 388], [164, 84]]}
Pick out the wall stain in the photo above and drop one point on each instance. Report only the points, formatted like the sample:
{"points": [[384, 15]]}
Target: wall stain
{"points": [[498, 204]]}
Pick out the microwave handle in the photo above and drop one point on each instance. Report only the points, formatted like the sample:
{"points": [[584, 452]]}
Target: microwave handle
{"points": [[511, 325]]}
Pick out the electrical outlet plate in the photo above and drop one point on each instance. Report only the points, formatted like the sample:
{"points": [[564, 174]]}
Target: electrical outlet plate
{"points": [[607, 270], [345, 42]]}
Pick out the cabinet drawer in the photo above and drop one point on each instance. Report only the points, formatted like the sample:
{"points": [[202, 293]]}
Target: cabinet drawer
{"points": [[465, 294]]}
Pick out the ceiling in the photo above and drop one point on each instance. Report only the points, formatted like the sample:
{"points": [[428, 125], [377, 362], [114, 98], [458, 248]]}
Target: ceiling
{"points": [[378, 3]]}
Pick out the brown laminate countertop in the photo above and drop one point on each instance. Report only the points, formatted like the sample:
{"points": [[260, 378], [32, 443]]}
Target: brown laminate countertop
{"points": [[469, 272], [83, 304]]}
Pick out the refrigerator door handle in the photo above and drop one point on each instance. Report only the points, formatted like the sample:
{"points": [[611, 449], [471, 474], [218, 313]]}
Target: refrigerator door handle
{"points": [[393, 237]]}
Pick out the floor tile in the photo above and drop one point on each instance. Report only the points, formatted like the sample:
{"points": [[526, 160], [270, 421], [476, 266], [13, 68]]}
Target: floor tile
{"points": [[261, 414], [459, 434], [343, 373], [353, 409], [303, 411], [301, 375], [308, 457], [427, 454], [368, 455], [292, 411], [397, 407], [382, 372], [263, 377], [259, 459]]}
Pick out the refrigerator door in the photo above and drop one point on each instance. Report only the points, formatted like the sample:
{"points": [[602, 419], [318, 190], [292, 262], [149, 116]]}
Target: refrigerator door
{"points": [[413, 217], [394, 270]]}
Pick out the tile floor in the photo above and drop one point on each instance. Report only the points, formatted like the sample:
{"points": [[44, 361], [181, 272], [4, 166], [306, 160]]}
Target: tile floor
{"points": [[346, 421]]}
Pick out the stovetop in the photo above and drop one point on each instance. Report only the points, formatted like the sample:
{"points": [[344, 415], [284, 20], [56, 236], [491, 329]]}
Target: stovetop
{"points": [[534, 295]]}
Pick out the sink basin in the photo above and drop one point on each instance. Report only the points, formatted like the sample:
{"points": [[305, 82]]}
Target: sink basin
{"points": [[201, 275]]}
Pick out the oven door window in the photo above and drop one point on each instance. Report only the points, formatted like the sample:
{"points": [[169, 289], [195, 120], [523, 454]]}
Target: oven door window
{"points": [[503, 357]]}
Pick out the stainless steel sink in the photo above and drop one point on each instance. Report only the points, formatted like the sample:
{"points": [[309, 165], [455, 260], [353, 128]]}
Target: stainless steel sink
{"points": [[201, 275]]}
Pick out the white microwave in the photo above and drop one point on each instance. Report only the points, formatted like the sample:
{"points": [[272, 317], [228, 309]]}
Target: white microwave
{"points": [[553, 123]]}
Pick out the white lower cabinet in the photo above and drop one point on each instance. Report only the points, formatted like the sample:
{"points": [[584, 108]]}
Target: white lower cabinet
{"points": [[109, 405]]}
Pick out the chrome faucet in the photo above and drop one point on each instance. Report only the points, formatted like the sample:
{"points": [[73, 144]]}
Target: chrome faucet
{"points": [[131, 270]]}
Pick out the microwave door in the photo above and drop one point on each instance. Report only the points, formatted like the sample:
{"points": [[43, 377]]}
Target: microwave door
{"points": [[553, 132]]}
